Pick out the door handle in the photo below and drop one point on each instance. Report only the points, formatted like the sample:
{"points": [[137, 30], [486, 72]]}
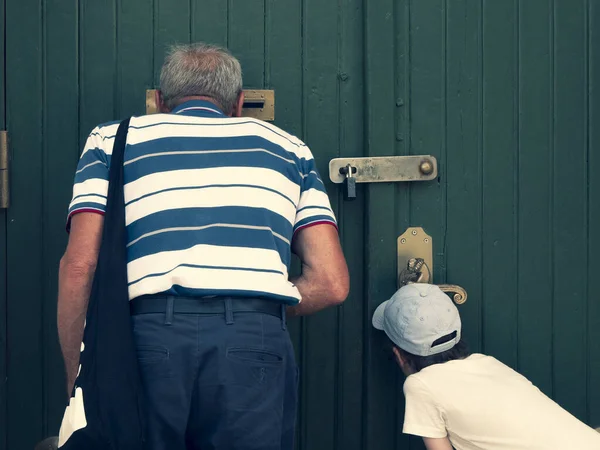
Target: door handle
{"points": [[415, 263], [415, 272], [460, 294]]}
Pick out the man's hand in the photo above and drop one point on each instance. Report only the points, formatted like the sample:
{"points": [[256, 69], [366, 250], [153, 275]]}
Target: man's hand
{"points": [[437, 444], [325, 280], [75, 278]]}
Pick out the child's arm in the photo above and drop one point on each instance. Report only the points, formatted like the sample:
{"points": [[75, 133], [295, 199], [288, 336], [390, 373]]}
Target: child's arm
{"points": [[437, 444]]}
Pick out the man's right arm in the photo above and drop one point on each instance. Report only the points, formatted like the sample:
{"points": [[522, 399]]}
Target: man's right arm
{"points": [[325, 280]]}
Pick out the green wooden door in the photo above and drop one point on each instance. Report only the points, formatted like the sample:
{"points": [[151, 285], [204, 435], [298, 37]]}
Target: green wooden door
{"points": [[503, 93]]}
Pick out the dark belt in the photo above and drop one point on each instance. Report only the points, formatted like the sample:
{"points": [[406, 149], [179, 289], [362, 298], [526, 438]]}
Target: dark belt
{"points": [[201, 305]]}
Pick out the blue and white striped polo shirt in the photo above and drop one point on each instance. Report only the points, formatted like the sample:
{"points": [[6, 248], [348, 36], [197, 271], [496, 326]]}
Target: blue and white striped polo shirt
{"points": [[211, 202]]}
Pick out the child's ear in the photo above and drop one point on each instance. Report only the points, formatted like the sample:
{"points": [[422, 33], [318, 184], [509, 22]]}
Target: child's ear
{"points": [[399, 358]]}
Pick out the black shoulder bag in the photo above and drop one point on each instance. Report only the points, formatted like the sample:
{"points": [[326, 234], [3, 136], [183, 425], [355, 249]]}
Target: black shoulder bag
{"points": [[106, 407]]}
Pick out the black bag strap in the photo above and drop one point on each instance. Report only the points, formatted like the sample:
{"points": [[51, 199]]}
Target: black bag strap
{"points": [[117, 373], [115, 203], [109, 374], [110, 253]]}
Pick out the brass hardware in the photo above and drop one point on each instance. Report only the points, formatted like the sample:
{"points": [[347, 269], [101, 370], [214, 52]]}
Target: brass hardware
{"points": [[460, 294], [415, 272], [259, 104], [426, 168], [412, 244], [415, 263], [4, 165], [385, 169], [151, 101]]}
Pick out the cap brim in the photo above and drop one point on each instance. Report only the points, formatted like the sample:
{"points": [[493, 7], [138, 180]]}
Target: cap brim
{"points": [[378, 315]]}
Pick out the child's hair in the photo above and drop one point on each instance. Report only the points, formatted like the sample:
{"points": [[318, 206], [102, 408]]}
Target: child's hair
{"points": [[418, 363]]}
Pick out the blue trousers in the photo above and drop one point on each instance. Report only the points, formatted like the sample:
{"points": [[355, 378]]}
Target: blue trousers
{"points": [[226, 381]]}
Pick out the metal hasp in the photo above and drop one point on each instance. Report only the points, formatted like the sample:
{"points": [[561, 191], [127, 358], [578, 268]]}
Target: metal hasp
{"points": [[385, 169], [415, 263], [259, 104], [4, 165]]}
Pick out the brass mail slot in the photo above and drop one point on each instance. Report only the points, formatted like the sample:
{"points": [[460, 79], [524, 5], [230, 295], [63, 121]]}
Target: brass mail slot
{"points": [[259, 104]]}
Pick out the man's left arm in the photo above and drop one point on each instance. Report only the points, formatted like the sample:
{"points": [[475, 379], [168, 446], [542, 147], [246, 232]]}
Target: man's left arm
{"points": [[75, 278]]}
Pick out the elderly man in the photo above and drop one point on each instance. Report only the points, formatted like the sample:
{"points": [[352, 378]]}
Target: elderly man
{"points": [[215, 206]]}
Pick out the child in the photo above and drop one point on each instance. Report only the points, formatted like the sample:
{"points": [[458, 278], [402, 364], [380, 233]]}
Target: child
{"points": [[469, 401]]}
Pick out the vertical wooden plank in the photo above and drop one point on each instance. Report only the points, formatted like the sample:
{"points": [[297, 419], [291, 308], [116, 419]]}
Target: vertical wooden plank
{"points": [[24, 96], [246, 39], [425, 69], [284, 36], [427, 120], [322, 131], [209, 21], [285, 56], [172, 26], [60, 148], [352, 222], [464, 161], [593, 59], [535, 181], [97, 65], [135, 56], [500, 146], [3, 261], [403, 107], [570, 202], [380, 374]]}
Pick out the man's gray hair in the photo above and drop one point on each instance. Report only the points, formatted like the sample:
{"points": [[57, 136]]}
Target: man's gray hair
{"points": [[201, 70]]}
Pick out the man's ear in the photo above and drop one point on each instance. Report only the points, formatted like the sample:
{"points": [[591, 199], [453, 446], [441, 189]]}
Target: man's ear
{"points": [[237, 111], [160, 102]]}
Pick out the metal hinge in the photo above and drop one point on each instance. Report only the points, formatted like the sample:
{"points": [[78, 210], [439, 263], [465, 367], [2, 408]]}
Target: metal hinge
{"points": [[258, 103], [4, 169]]}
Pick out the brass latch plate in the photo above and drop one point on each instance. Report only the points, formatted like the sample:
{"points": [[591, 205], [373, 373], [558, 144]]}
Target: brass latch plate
{"points": [[415, 263], [258, 103], [385, 169], [415, 243], [4, 162]]}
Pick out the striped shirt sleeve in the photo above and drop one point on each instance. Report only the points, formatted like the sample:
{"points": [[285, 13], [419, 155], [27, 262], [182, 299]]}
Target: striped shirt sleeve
{"points": [[314, 207], [90, 187]]}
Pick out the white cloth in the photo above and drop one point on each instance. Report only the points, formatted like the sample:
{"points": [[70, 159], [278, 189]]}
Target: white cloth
{"points": [[482, 404]]}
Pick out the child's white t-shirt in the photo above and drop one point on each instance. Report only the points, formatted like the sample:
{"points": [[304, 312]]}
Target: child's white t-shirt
{"points": [[482, 404]]}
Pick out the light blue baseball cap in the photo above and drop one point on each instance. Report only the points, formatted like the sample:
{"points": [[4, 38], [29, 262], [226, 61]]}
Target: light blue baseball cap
{"points": [[420, 319]]}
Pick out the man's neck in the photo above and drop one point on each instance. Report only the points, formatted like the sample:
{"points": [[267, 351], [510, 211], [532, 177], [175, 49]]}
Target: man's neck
{"points": [[203, 98]]}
